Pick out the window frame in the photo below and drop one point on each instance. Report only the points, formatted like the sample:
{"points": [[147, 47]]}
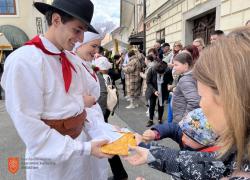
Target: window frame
{"points": [[15, 11], [160, 35]]}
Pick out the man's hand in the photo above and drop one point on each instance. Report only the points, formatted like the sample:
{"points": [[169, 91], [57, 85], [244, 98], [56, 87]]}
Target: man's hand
{"points": [[96, 149], [148, 135], [89, 101], [117, 128]]}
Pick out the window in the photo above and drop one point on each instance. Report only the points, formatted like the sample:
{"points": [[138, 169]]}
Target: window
{"points": [[160, 36], [7, 7]]}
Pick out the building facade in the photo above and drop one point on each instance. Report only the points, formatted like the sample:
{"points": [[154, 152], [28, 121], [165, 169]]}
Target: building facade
{"points": [[132, 23], [185, 20], [20, 21], [113, 42]]}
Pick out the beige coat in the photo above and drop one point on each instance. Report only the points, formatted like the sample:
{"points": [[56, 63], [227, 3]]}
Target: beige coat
{"points": [[132, 76]]}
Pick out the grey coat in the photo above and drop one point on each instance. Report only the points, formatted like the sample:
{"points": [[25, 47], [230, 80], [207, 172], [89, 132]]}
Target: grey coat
{"points": [[103, 94], [185, 97]]}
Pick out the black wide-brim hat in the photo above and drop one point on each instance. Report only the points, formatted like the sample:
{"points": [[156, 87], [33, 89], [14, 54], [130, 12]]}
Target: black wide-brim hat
{"points": [[79, 9]]}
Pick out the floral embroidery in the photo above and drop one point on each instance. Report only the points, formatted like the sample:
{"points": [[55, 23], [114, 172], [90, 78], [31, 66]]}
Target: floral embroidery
{"points": [[194, 165], [95, 68]]}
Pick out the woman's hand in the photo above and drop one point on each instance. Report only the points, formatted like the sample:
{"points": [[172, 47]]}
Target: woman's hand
{"points": [[96, 149], [138, 157], [171, 65], [170, 87], [157, 93], [89, 101], [148, 135]]}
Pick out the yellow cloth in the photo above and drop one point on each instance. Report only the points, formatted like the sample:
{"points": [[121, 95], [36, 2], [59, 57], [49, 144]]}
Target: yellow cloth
{"points": [[120, 146]]}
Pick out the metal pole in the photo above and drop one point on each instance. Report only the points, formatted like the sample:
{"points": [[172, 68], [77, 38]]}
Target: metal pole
{"points": [[144, 25], [134, 18]]}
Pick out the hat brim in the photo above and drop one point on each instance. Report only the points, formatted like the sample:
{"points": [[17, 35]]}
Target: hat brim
{"points": [[43, 8], [193, 138]]}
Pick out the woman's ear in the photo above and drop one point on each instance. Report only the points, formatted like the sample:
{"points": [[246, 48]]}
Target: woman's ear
{"points": [[217, 99]]}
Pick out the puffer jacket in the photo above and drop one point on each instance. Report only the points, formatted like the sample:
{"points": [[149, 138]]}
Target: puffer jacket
{"points": [[185, 97]]}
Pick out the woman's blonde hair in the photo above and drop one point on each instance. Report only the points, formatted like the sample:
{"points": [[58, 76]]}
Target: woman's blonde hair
{"points": [[201, 41], [178, 43], [224, 66]]}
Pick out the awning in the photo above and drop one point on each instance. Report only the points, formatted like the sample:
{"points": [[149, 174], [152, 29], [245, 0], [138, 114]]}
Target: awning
{"points": [[127, 12], [111, 44], [136, 39], [14, 35], [4, 43]]}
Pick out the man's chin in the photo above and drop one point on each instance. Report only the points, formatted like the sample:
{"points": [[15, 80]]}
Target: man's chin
{"points": [[69, 48]]}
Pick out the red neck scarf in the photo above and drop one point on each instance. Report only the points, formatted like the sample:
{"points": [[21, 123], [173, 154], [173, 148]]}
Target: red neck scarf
{"points": [[210, 149], [66, 65]]}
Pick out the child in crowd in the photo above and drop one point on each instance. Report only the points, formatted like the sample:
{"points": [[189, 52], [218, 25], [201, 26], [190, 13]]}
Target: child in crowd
{"points": [[185, 96], [192, 133]]}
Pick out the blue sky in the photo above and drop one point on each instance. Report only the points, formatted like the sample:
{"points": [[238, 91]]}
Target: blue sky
{"points": [[107, 10]]}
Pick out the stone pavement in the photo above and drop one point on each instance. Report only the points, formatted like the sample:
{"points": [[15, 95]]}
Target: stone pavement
{"points": [[10, 146]]}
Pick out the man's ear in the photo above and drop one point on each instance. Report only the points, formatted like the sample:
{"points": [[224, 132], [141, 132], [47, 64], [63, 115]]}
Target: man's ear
{"points": [[56, 19]]}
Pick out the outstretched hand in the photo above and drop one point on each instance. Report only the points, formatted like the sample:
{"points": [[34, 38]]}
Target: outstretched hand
{"points": [[148, 135], [96, 149], [138, 157]]}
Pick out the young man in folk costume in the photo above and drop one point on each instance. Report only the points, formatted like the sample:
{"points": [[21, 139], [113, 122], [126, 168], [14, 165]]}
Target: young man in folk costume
{"points": [[44, 95]]}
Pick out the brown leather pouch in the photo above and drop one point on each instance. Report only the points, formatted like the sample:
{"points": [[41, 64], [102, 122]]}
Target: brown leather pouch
{"points": [[71, 126]]}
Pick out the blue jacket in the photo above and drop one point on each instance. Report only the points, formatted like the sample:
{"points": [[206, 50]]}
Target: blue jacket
{"points": [[170, 130]]}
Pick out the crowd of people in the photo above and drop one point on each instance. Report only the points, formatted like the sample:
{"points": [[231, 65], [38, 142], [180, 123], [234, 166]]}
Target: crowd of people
{"points": [[217, 71], [162, 77], [61, 114]]}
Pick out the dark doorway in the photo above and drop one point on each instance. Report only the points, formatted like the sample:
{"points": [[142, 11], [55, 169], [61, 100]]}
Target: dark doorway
{"points": [[204, 26]]}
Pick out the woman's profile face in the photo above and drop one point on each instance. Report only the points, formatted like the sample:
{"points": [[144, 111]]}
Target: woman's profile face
{"points": [[180, 68], [212, 107], [87, 51]]}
